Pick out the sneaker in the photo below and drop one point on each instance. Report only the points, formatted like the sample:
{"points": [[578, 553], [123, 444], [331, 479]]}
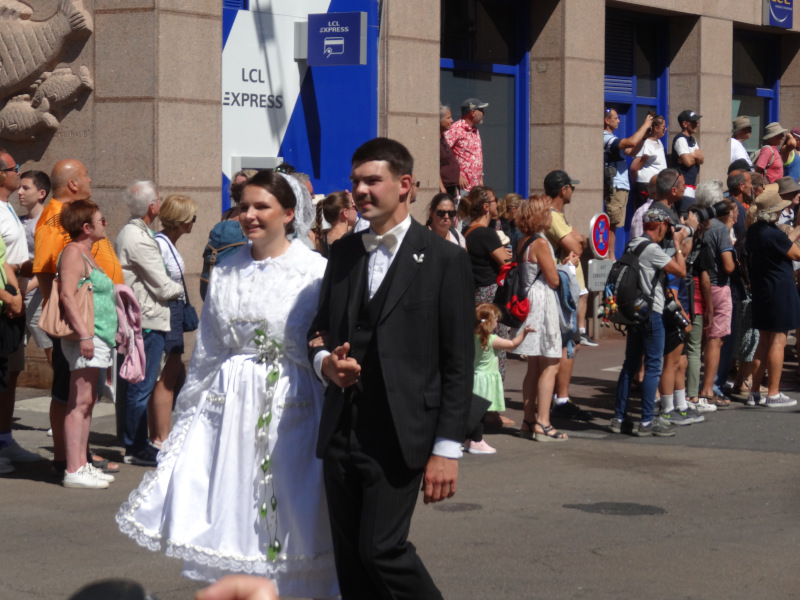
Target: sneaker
{"points": [[702, 405], [756, 399], [6, 468], [587, 341], [16, 453], [481, 448], [657, 427], [780, 401], [146, 457], [691, 415], [84, 478], [99, 473], [676, 417], [570, 410], [617, 426]]}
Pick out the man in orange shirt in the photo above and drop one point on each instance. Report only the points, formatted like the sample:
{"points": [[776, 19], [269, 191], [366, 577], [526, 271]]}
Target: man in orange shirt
{"points": [[70, 180]]}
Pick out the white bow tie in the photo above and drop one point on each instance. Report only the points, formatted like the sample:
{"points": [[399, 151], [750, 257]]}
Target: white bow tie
{"points": [[372, 241]]}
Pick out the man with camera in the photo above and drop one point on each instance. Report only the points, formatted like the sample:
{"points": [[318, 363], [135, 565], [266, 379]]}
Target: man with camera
{"points": [[616, 184], [717, 239], [647, 340]]}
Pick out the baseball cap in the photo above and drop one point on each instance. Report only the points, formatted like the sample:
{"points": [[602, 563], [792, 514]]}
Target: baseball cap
{"points": [[473, 104], [556, 180], [688, 115]]}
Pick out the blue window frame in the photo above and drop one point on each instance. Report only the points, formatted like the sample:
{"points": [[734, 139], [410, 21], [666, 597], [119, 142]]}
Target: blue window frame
{"points": [[485, 54], [636, 79]]}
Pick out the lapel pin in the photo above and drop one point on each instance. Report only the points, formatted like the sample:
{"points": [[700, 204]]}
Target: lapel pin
{"points": [[419, 257]]}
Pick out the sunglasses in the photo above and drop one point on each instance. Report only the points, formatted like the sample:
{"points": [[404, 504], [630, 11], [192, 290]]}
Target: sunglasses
{"points": [[446, 213], [15, 168]]}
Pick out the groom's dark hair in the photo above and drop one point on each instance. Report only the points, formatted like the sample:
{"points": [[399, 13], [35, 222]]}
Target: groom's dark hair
{"points": [[393, 152]]}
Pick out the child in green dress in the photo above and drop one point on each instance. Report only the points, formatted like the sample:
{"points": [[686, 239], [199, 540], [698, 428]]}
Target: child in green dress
{"points": [[488, 382]]}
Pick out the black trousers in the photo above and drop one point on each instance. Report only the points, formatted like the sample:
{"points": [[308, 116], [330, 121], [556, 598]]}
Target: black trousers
{"points": [[371, 498]]}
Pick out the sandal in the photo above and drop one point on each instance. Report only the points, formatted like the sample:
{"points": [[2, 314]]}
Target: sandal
{"points": [[98, 462], [550, 434], [720, 403], [528, 435]]}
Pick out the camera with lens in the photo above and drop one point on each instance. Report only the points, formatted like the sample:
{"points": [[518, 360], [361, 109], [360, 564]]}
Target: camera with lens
{"points": [[673, 312], [706, 213]]}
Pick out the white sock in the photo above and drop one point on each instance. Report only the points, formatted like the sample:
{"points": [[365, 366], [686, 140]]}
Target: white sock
{"points": [[680, 400], [666, 403], [582, 330], [560, 401], [645, 424]]}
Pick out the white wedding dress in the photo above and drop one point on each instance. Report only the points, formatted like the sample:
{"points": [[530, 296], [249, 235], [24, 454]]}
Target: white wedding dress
{"points": [[238, 488]]}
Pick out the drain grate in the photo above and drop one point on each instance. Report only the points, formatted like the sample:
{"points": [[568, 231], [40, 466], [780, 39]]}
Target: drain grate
{"points": [[456, 506], [623, 509]]}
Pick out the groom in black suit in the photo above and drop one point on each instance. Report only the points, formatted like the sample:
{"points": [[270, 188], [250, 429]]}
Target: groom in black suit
{"points": [[397, 311]]}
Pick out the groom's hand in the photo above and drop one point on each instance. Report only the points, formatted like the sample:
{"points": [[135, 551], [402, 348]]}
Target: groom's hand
{"points": [[341, 369], [441, 475]]}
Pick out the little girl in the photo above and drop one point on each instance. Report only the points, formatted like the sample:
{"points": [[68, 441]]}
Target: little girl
{"points": [[488, 382]]}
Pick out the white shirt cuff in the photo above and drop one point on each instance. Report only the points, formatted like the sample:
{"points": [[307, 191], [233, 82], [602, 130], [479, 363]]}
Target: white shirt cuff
{"points": [[318, 358], [447, 448]]}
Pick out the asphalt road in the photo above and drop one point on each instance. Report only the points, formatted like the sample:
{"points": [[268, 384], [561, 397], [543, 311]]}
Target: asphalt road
{"points": [[709, 514]]}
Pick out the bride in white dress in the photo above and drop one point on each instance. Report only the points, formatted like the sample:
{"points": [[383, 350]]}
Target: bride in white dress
{"points": [[238, 488]]}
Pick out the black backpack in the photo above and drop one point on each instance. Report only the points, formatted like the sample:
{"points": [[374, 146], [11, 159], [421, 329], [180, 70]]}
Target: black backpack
{"points": [[624, 301], [512, 296]]}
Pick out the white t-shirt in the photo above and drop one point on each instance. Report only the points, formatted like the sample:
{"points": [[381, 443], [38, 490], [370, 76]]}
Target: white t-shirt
{"points": [[738, 151], [13, 234], [655, 164], [174, 267], [682, 146]]}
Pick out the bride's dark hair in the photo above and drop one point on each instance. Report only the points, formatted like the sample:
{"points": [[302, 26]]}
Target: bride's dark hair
{"points": [[276, 185]]}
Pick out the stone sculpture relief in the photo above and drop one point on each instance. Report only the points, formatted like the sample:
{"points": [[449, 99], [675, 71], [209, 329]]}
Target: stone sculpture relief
{"points": [[28, 48]]}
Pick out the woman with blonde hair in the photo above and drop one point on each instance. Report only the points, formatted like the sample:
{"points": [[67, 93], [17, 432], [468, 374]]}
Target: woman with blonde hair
{"points": [[506, 213], [178, 215], [543, 345]]}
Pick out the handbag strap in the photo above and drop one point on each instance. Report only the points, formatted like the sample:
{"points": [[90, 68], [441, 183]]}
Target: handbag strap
{"points": [[177, 264], [86, 276]]}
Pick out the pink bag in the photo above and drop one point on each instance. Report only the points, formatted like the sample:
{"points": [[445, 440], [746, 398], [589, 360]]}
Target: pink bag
{"points": [[129, 334]]}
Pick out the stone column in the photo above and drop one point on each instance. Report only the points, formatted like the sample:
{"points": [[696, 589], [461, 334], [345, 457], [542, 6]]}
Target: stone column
{"points": [[408, 94], [790, 81], [566, 95], [157, 108], [701, 79]]}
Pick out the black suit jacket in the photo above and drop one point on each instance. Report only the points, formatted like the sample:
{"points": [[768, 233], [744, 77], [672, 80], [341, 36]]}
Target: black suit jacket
{"points": [[424, 337]]}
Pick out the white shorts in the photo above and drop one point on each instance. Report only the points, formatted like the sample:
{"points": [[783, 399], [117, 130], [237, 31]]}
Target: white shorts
{"points": [[72, 352]]}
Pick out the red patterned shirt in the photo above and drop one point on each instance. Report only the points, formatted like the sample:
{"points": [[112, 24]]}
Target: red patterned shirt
{"points": [[465, 141]]}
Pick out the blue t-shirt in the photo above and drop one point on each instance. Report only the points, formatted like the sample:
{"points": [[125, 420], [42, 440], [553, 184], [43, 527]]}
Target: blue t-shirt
{"points": [[612, 155]]}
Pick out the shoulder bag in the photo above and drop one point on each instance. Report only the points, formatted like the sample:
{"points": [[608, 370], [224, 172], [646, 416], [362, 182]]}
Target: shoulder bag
{"points": [[12, 329], [190, 319], [53, 320]]}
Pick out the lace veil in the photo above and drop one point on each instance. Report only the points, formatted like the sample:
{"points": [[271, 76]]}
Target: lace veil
{"points": [[304, 213]]}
